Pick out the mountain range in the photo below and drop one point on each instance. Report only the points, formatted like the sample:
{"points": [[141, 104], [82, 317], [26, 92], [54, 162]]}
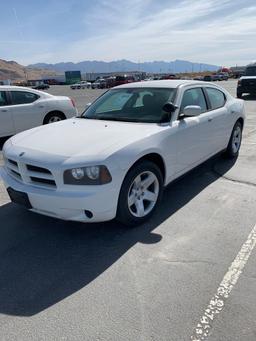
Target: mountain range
{"points": [[88, 66], [14, 71]]}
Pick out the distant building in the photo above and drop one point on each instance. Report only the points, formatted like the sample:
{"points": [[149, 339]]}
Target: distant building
{"points": [[73, 77], [92, 76], [238, 71], [5, 82], [58, 79]]}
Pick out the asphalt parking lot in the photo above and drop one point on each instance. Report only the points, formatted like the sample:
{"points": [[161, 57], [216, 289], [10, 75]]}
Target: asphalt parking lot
{"points": [[187, 274]]}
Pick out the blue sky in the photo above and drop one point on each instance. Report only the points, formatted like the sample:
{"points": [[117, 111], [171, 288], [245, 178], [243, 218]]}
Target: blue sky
{"points": [[221, 32]]}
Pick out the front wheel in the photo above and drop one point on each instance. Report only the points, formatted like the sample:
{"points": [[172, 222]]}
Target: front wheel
{"points": [[235, 141], [140, 193]]}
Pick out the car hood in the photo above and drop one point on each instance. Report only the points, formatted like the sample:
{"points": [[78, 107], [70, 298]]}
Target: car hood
{"points": [[80, 138]]}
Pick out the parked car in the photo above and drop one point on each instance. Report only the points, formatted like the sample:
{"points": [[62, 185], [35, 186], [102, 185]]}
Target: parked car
{"points": [[215, 78], [116, 159], [224, 76], [120, 80], [24, 108], [99, 84], [81, 85], [41, 87], [198, 78], [247, 83], [169, 76], [110, 82], [207, 78]]}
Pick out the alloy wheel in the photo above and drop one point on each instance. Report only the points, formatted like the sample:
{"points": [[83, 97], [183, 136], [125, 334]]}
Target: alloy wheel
{"points": [[143, 194]]}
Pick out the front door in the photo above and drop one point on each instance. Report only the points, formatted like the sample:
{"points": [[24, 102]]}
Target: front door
{"points": [[193, 133]]}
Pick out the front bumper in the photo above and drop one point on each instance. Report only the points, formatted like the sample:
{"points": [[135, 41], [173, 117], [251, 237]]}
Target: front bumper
{"points": [[68, 205]]}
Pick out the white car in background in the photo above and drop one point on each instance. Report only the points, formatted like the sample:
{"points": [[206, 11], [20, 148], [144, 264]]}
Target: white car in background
{"points": [[24, 108], [115, 160], [81, 85]]}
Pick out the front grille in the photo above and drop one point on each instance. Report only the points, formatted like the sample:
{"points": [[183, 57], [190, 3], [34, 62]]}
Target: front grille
{"points": [[16, 173], [30, 174], [13, 169], [43, 181], [13, 162], [38, 169]]}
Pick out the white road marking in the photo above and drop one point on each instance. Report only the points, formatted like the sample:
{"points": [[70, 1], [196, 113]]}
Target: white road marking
{"points": [[230, 279]]}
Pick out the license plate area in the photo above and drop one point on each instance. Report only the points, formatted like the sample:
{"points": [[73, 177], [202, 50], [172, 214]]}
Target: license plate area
{"points": [[19, 198]]}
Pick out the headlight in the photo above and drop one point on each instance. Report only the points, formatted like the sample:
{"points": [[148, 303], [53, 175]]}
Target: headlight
{"points": [[92, 175]]}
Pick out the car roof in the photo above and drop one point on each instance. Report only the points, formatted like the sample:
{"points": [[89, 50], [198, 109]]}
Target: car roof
{"points": [[168, 83], [23, 88]]}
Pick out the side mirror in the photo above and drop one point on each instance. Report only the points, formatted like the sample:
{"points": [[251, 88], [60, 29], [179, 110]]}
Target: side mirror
{"points": [[169, 107], [192, 110]]}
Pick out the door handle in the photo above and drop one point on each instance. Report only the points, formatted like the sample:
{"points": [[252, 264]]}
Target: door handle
{"points": [[210, 119], [4, 110], [41, 106]]}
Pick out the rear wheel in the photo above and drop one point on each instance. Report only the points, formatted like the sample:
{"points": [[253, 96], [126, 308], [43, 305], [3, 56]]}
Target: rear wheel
{"points": [[235, 141], [140, 193], [54, 116]]}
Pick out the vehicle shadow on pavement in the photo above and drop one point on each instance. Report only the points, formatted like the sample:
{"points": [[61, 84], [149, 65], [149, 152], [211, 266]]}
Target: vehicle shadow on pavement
{"points": [[43, 260]]}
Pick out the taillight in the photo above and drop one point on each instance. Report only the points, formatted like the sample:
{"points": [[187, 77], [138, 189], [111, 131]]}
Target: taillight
{"points": [[73, 102], [239, 82]]}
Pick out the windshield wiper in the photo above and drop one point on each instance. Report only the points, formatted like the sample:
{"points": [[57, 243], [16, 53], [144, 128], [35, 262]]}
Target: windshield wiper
{"points": [[122, 119]]}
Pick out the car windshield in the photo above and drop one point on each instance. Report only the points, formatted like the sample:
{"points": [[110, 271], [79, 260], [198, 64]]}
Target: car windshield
{"points": [[251, 71], [131, 105]]}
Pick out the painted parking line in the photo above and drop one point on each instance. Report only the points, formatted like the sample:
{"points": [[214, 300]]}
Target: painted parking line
{"points": [[230, 279]]}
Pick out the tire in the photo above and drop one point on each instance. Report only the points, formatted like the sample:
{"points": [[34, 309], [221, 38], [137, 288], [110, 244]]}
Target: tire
{"points": [[239, 94], [54, 116], [235, 140], [144, 200]]}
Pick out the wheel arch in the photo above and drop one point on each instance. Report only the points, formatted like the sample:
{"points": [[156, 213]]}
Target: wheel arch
{"points": [[52, 112], [154, 157], [241, 120]]}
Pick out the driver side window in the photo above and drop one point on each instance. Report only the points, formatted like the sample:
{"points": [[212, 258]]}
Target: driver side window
{"points": [[193, 97]]}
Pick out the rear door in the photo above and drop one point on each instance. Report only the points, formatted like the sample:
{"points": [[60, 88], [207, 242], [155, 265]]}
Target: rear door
{"points": [[220, 118], [6, 118], [28, 109]]}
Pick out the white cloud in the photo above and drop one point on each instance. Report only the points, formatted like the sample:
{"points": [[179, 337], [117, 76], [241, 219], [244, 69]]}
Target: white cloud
{"points": [[211, 31]]}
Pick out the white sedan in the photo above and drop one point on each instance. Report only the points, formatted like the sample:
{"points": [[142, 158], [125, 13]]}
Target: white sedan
{"points": [[24, 108], [81, 85], [116, 159]]}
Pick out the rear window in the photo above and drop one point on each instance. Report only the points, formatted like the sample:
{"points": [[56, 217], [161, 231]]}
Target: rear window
{"points": [[23, 97], [216, 97], [250, 71], [3, 99]]}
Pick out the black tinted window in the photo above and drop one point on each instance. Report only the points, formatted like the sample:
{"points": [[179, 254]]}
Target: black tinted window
{"points": [[23, 97], [216, 97], [250, 71], [3, 99], [193, 97]]}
